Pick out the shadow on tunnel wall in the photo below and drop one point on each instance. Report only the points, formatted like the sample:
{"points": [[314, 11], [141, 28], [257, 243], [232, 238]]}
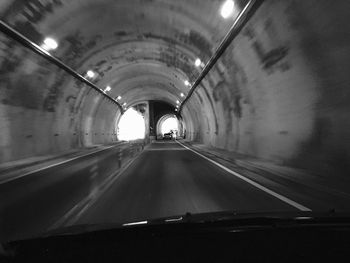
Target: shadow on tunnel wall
{"points": [[280, 92], [44, 110]]}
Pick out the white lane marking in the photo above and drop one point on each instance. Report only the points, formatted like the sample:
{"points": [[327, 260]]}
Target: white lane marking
{"points": [[259, 186], [52, 165]]}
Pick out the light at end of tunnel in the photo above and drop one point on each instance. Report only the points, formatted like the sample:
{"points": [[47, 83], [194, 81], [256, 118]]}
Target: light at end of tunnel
{"points": [[90, 74], [49, 44], [108, 88], [131, 126], [187, 83], [198, 62], [182, 95], [227, 8], [170, 124]]}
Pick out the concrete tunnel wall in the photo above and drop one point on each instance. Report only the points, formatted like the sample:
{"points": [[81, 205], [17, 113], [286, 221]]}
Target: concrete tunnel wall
{"points": [[44, 110], [280, 92]]}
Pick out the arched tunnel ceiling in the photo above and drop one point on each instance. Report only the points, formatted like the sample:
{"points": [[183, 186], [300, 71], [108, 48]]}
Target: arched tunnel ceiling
{"points": [[279, 91], [143, 49]]}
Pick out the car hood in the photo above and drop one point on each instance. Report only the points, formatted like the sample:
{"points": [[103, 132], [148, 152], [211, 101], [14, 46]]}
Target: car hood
{"points": [[232, 219]]}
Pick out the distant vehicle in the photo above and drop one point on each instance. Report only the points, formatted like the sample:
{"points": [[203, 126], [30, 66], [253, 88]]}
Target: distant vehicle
{"points": [[168, 136]]}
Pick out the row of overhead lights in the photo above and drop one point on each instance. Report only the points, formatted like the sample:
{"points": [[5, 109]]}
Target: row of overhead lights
{"points": [[187, 83], [226, 11], [51, 44], [90, 74], [197, 63]]}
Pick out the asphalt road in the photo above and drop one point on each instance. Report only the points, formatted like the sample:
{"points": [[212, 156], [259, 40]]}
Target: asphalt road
{"points": [[32, 204], [167, 180]]}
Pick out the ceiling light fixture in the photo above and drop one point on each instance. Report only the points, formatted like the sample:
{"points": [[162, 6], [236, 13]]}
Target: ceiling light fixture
{"points": [[49, 44], [227, 8], [198, 62], [90, 74]]}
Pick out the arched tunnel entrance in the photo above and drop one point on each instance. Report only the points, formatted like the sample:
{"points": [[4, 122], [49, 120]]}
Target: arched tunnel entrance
{"points": [[168, 123], [150, 119], [159, 112]]}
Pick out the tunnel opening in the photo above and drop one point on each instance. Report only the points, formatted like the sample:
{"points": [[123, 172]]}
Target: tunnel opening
{"points": [[168, 124], [131, 125], [159, 110]]}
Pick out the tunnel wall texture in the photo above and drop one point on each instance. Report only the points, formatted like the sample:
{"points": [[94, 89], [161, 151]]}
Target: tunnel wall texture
{"points": [[281, 90], [44, 110]]}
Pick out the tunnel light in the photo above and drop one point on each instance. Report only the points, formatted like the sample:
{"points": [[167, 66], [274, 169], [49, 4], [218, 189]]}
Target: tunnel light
{"points": [[175, 109], [124, 104], [108, 88], [187, 83], [198, 62], [90, 74], [227, 8], [119, 98], [182, 95], [177, 102], [49, 44]]}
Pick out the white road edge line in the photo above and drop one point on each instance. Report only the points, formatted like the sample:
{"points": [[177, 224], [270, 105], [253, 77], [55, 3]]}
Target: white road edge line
{"points": [[259, 186], [52, 165]]}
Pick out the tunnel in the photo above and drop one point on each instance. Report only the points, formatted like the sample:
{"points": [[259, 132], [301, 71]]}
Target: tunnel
{"points": [[261, 89]]}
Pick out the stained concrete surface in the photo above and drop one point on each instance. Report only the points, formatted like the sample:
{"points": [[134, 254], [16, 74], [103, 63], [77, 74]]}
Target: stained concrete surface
{"points": [[278, 93]]}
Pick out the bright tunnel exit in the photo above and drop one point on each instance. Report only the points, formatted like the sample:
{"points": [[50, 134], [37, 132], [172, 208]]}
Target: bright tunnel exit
{"points": [[131, 126], [169, 124]]}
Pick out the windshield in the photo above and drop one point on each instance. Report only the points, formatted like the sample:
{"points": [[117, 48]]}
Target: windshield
{"points": [[128, 111]]}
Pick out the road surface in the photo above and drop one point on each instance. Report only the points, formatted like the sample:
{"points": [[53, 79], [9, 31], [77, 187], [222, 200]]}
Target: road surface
{"points": [[166, 179]]}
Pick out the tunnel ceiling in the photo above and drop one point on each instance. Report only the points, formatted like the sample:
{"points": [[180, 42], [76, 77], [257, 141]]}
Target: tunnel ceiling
{"points": [[142, 49]]}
